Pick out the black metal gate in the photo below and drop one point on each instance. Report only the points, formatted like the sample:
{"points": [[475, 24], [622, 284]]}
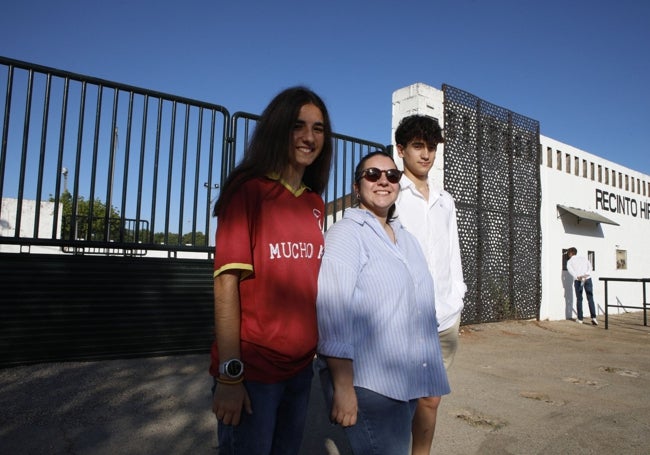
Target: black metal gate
{"points": [[492, 170], [106, 238]]}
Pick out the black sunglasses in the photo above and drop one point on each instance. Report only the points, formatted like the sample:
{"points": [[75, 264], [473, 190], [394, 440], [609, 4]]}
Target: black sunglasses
{"points": [[372, 174]]}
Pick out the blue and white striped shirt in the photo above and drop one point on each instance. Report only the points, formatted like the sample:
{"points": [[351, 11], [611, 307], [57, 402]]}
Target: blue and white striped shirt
{"points": [[374, 307]]}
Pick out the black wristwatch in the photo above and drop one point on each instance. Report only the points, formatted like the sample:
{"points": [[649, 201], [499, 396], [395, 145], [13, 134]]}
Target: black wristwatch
{"points": [[232, 368]]}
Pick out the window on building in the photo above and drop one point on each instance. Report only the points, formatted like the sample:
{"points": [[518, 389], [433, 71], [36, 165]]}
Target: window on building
{"points": [[632, 184], [627, 182], [621, 259], [549, 156], [620, 180], [568, 163], [606, 176], [593, 171], [600, 173], [559, 160], [613, 177], [576, 166]]}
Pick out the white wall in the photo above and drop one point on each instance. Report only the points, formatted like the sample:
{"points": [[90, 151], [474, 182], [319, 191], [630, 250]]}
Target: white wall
{"points": [[424, 100], [8, 212]]}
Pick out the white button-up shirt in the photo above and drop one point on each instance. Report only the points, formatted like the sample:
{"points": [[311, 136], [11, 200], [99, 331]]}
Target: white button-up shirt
{"points": [[579, 266], [434, 224]]}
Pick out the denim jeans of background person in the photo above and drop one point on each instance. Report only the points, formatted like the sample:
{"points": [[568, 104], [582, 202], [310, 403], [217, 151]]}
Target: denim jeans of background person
{"points": [[588, 287]]}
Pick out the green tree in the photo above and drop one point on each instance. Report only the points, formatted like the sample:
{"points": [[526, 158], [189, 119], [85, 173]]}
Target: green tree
{"points": [[87, 226], [199, 239]]}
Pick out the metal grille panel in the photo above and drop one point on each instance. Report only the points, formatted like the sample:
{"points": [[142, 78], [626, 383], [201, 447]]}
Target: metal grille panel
{"points": [[492, 170]]}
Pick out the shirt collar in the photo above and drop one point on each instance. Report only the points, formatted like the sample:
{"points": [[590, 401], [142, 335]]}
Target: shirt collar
{"points": [[276, 176], [406, 183]]}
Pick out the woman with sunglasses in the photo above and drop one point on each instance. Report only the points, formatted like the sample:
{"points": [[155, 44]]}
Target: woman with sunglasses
{"points": [[378, 349]]}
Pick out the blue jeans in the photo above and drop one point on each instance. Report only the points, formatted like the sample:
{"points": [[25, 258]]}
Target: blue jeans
{"points": [[278, 420], [383, 425], [589, 290]]}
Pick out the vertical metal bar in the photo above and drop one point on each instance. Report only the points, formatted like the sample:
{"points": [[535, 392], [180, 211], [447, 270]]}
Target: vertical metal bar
{"points": [[24, 152], [41, 162], [74, 222], [197, 170], [93, 172], [155, 169], [125, 173], [5, 130], [59, 161], [143, 141], [606, 306], [111, 167], [181, 208], [645, 304], [208, 199], [170, 166]]}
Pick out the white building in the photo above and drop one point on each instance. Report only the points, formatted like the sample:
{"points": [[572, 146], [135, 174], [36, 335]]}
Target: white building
{"points": [[594, 205], [603, 210]]}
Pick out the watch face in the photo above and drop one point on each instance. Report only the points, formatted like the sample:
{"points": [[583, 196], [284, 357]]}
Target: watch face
{"points": [[234, 368]]}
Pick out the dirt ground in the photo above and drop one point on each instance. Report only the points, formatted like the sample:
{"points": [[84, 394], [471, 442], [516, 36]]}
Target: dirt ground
{"points": [[518, 387]]}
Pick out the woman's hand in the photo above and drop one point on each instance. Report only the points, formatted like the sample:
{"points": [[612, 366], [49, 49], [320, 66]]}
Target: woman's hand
{"points": [[344, 406], [228, 401], [344, 402]]}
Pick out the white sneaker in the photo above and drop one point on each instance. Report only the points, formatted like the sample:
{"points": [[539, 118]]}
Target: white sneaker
{"points": [[594, 321], [579, 321]]}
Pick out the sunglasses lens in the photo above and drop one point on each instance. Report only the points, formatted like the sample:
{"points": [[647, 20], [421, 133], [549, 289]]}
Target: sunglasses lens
{"points": [[372, 174], [392, 175]]}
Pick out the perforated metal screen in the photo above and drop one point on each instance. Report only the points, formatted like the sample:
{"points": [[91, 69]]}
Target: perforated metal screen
{"points": [[492, 170]]}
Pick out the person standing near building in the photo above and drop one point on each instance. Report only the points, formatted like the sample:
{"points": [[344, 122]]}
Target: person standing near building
{"points": [[269, 244], [429, 212], [580, 269]]}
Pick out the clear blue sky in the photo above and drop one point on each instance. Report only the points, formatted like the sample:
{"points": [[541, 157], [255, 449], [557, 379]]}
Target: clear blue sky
{"points": [[581, 68]]}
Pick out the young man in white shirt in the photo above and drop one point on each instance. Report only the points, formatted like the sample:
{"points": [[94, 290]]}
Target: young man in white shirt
{"points": [[429, 212], [580, 269]]}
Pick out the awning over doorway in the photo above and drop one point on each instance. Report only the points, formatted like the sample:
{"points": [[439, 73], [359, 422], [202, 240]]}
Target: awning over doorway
{"points": [[586, 215]]}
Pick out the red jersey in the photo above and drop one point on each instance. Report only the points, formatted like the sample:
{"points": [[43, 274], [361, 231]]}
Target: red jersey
{"points": [[274, 236]]}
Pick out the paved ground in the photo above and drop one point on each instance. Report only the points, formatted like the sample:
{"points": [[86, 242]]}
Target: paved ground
{"points": [[518, 388]]}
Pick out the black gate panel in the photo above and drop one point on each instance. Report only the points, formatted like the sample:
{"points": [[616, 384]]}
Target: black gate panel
{"points": [[60, 307], [492, 170], [107, 192]]}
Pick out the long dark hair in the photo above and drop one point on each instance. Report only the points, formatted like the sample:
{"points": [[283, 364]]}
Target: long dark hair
{"points": [[359, 169], [268, 150]]}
